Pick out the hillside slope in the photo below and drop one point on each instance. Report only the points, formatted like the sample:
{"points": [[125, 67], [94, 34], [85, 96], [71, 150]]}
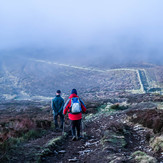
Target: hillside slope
{"points": [[23, 78]]}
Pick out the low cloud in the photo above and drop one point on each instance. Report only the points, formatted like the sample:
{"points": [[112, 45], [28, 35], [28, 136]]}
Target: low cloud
{"points": [[106, 31]]}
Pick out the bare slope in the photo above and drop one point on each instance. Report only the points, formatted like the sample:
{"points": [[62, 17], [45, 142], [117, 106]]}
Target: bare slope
{"points": [[24, 78]]}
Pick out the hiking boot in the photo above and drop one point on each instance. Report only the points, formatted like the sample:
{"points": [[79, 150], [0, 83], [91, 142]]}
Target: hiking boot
{"points": [[73, 138], [79, 137], [61, 127], [59, 130], [56, 129]]}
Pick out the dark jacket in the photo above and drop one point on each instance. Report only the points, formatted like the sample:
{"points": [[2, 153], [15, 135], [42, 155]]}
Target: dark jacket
{"points": [[57, 104]]}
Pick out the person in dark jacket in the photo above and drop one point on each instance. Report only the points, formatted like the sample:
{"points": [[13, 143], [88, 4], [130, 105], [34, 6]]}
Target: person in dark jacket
{"points": [[74, 118], [57, 107]]}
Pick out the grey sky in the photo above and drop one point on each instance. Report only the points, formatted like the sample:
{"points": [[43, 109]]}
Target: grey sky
{"points": [[124, 28]]}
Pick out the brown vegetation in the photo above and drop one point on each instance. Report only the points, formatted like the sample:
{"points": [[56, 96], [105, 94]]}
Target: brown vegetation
{"points": [[16, 123], [152, 119]]}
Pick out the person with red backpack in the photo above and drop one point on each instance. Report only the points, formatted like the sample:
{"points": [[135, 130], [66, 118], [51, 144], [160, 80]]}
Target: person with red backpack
{"points": [[74, 106]]}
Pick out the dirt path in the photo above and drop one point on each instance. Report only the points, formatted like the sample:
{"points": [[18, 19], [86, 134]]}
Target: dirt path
{"points": [[107, 139]]}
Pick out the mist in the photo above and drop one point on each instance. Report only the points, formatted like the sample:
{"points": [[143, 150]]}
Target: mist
{"points": [[83, 31]]}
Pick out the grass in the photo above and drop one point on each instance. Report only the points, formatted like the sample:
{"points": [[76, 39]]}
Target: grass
{"points": [[13, 142], [157, 144], [159, 105], [118, 107], [33, 134], [114, 139], [138, 153], [10, 143], [49, 147], [140, 156], [106, 109]]}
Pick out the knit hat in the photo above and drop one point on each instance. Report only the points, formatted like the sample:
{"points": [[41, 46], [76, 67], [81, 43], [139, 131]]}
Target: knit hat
{"points": [[58, 91], [74, 91]]}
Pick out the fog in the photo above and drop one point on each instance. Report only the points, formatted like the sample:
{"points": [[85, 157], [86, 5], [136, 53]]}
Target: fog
{"points": [[94, 31]]}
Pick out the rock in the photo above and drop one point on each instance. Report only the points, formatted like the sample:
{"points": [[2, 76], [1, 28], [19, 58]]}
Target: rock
{"points": [[62, 152], [85, 151], [87, 144], [138, 128], [55, 152], [73, 159]]}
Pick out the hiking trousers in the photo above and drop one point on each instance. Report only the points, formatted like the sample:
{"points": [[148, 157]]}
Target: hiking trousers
{"points": [[56, 120], [75, 126]]}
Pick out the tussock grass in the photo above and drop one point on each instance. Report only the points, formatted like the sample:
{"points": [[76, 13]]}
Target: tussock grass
{"points": [[157, 144], [13, 142], [106, 109], [142, 157], [50, 146]]}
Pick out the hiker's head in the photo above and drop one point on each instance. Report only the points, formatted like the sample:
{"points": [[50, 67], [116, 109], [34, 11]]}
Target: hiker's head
{"points": [[74, 91], [58, 92]]}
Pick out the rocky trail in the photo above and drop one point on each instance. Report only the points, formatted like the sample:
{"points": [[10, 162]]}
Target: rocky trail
{"points": [[107, 139]]}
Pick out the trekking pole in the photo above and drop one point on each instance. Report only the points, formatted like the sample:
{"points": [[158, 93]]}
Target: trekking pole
{"points": [[63, 128], [82, 124]]}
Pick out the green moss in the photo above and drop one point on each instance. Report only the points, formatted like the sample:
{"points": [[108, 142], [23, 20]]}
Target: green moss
{"points": [[33, 134], [138, 153], [51, 145], [101, 107], [142, 157], [145, 159], [11, 143], [116, 140], [157, 144], [115, 106], [119, 142], [100, 110], [106, 109], [109, 108], [118, 107], [52, 142]]}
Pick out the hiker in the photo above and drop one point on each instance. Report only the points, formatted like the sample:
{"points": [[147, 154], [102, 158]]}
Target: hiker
{"points": [[57, 107], [74, 106]]}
